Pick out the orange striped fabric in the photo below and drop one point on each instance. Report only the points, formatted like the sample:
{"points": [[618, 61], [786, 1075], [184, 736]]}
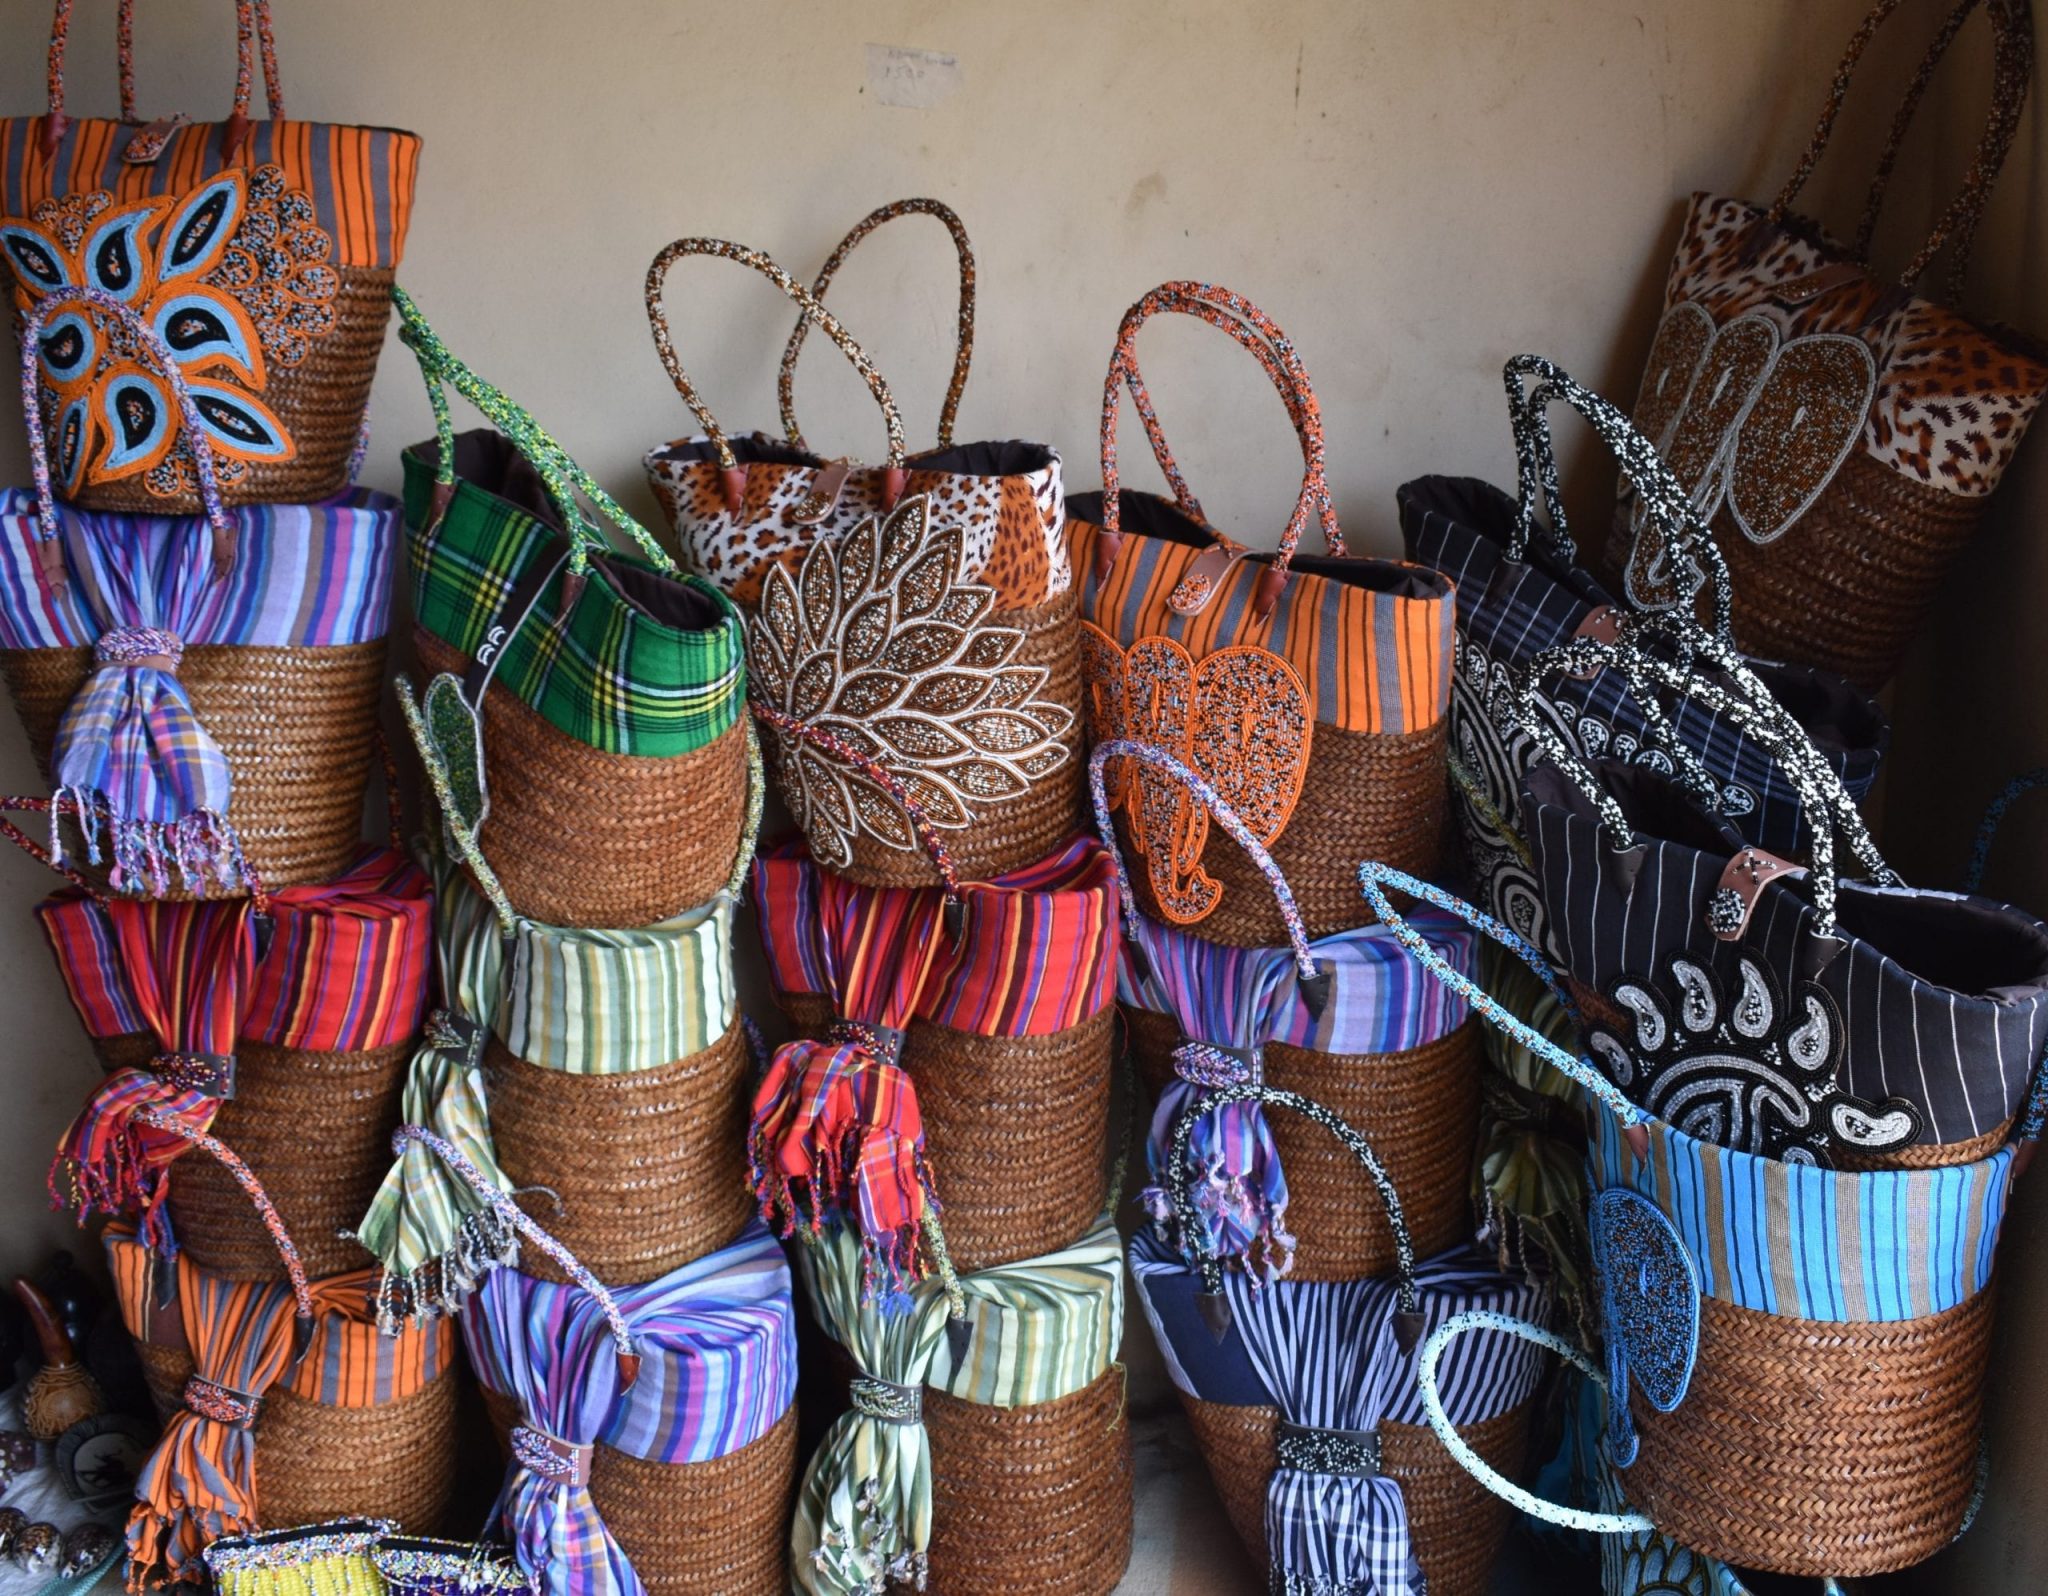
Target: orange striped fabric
{"points": [[1372, 650], [360, 179]]}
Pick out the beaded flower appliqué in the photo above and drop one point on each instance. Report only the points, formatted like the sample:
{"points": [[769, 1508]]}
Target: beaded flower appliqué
{"points": [[879, 638], [1748, 1070], [1240, 718], [237, 278]]}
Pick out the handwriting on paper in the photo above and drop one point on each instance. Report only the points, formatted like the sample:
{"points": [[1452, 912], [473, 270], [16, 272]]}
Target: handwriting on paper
{"points": [[916, 80]]}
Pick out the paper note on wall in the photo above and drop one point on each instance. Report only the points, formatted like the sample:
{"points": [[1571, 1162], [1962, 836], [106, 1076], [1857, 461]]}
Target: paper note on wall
{"points": [[916, 80]]}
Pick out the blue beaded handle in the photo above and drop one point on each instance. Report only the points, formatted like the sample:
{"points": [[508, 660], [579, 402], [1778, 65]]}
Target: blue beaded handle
{"points": [[1994, 815]]}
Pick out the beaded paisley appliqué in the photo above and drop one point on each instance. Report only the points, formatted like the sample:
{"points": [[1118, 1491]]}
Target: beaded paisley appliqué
{"points": [[236, 277], [1748, 1070], [879, 639], [1240, 718]]}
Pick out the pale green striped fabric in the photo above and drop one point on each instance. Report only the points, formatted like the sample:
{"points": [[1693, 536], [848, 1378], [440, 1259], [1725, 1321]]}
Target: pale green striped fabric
{"points": [[1041, 1329], [434, 1233]]}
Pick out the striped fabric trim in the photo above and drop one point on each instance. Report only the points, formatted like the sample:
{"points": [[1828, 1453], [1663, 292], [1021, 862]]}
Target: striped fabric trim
{"points": [[613, 1002], [612, 677], [1037, 953], [1809, 1243], [360, 178], [346, 967], [1510, 611], [1041, 1329], [1381, 1000], [1371, 661]]}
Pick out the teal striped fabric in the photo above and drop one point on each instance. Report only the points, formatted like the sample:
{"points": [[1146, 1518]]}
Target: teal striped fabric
{"points": [[1811, 1243], [1041, 1329]]}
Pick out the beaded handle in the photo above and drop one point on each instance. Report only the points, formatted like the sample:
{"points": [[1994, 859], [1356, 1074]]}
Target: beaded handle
{"points": [[807, 303], [1374, 879], [1219, 307], [147, 338], [1987, 828], [1123, 748], [838, 748], [2012, 74], [252, 23], [512, 1214], [1825, 802], [245, 1178], [1663, 496], [1440, 1421], [560, 474], [1180, 1181], [963, 342]]}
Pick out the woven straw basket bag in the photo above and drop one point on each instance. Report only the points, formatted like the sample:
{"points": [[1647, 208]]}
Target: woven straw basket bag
{"points": [[921, 614], [1343, 1019], [1302, 1393], [199, 691], [264, 250], [1795, 1354], [587, 701], [651, 1428], [1310, 691], [1843, 432], [1521, 591], [283, 1402]]}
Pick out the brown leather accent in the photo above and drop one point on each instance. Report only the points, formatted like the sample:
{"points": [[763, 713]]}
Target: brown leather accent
{"points": [[823, 496], [1746, 875]]}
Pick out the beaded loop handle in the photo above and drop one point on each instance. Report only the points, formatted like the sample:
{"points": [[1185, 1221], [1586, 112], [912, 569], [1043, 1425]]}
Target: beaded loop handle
{"points": [[1374, 879], [1260, 350], [512, 1214], [2012, 73], [806, 302], [1180, 1182], [1830, 811], [963, 343], [560, 474], [1440, 1421], [1227, 817], [838, 748], [1994, 815], [147, 338], [245, 1178], [252, 23], [1663, 496]]}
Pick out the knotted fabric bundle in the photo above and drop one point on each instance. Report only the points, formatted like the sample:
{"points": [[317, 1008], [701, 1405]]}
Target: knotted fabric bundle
{"points": [[435, 1235], [338, 967], [1032, 1333], [1327, 1356], [838, 1134], [715, 1342], [140, 590]]}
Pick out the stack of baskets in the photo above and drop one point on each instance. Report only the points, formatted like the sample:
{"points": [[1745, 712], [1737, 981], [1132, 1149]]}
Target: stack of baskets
{"points": [[941, 936], [597, 789], [193, 629]]}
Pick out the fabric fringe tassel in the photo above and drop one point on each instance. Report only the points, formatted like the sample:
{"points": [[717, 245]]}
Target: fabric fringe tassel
{"points": [[836, 1136], [201, 846], [484, 1241], [109, 1163], [173, 1523]]}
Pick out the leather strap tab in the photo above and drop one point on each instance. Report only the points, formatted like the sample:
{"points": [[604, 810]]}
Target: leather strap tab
{"points": [[221, 1404], [1194, 591], [1603, 625], [823, 496], [1355, 1453], [208, 1074], [1742, 882], [146, 148]]}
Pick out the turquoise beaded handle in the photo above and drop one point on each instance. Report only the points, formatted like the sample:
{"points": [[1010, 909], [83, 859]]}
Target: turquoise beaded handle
{"points": [[561, 475]]}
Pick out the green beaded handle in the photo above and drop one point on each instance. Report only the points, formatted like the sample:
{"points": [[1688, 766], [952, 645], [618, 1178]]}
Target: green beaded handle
{"points": [[561, 475]]}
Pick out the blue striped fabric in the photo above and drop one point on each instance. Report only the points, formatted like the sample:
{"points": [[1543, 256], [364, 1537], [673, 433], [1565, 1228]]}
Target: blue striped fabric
{"points": [[1811, 1243], [1325, 1354]]}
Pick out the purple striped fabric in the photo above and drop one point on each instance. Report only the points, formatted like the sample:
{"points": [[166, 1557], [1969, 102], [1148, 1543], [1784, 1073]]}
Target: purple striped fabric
{"points": [[717, 1343]]}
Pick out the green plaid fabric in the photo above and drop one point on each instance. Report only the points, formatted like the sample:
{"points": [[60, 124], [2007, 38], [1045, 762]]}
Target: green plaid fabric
{"points": [[612, 678]]}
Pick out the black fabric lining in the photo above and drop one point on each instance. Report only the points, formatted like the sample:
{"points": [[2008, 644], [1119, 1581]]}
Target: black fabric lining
{"points": [[1968, 945], [1006, 458]]}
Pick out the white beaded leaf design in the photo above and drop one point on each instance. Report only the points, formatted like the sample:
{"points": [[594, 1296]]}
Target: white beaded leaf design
{"points": [[878, 639]]}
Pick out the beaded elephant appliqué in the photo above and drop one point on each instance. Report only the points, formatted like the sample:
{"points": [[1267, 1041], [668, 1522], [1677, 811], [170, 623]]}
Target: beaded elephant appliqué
{"points": [[238, 280], [1649, 1309], [1240, 717], [880, 640]]}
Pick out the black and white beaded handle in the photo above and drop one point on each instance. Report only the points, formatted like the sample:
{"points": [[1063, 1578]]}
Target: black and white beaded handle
{"points": [[1180, 1183]]}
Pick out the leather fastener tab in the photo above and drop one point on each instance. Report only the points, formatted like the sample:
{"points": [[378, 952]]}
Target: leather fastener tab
{"points": [[1603, 625], [208, 1074], [549, 1457], [886, 1402], [146, 148], [1353, 1453], [884, 1042], [50, 562], [823, 496], [1742, 882], [221, 1404], [1198, 584], [1212, 1065]]}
